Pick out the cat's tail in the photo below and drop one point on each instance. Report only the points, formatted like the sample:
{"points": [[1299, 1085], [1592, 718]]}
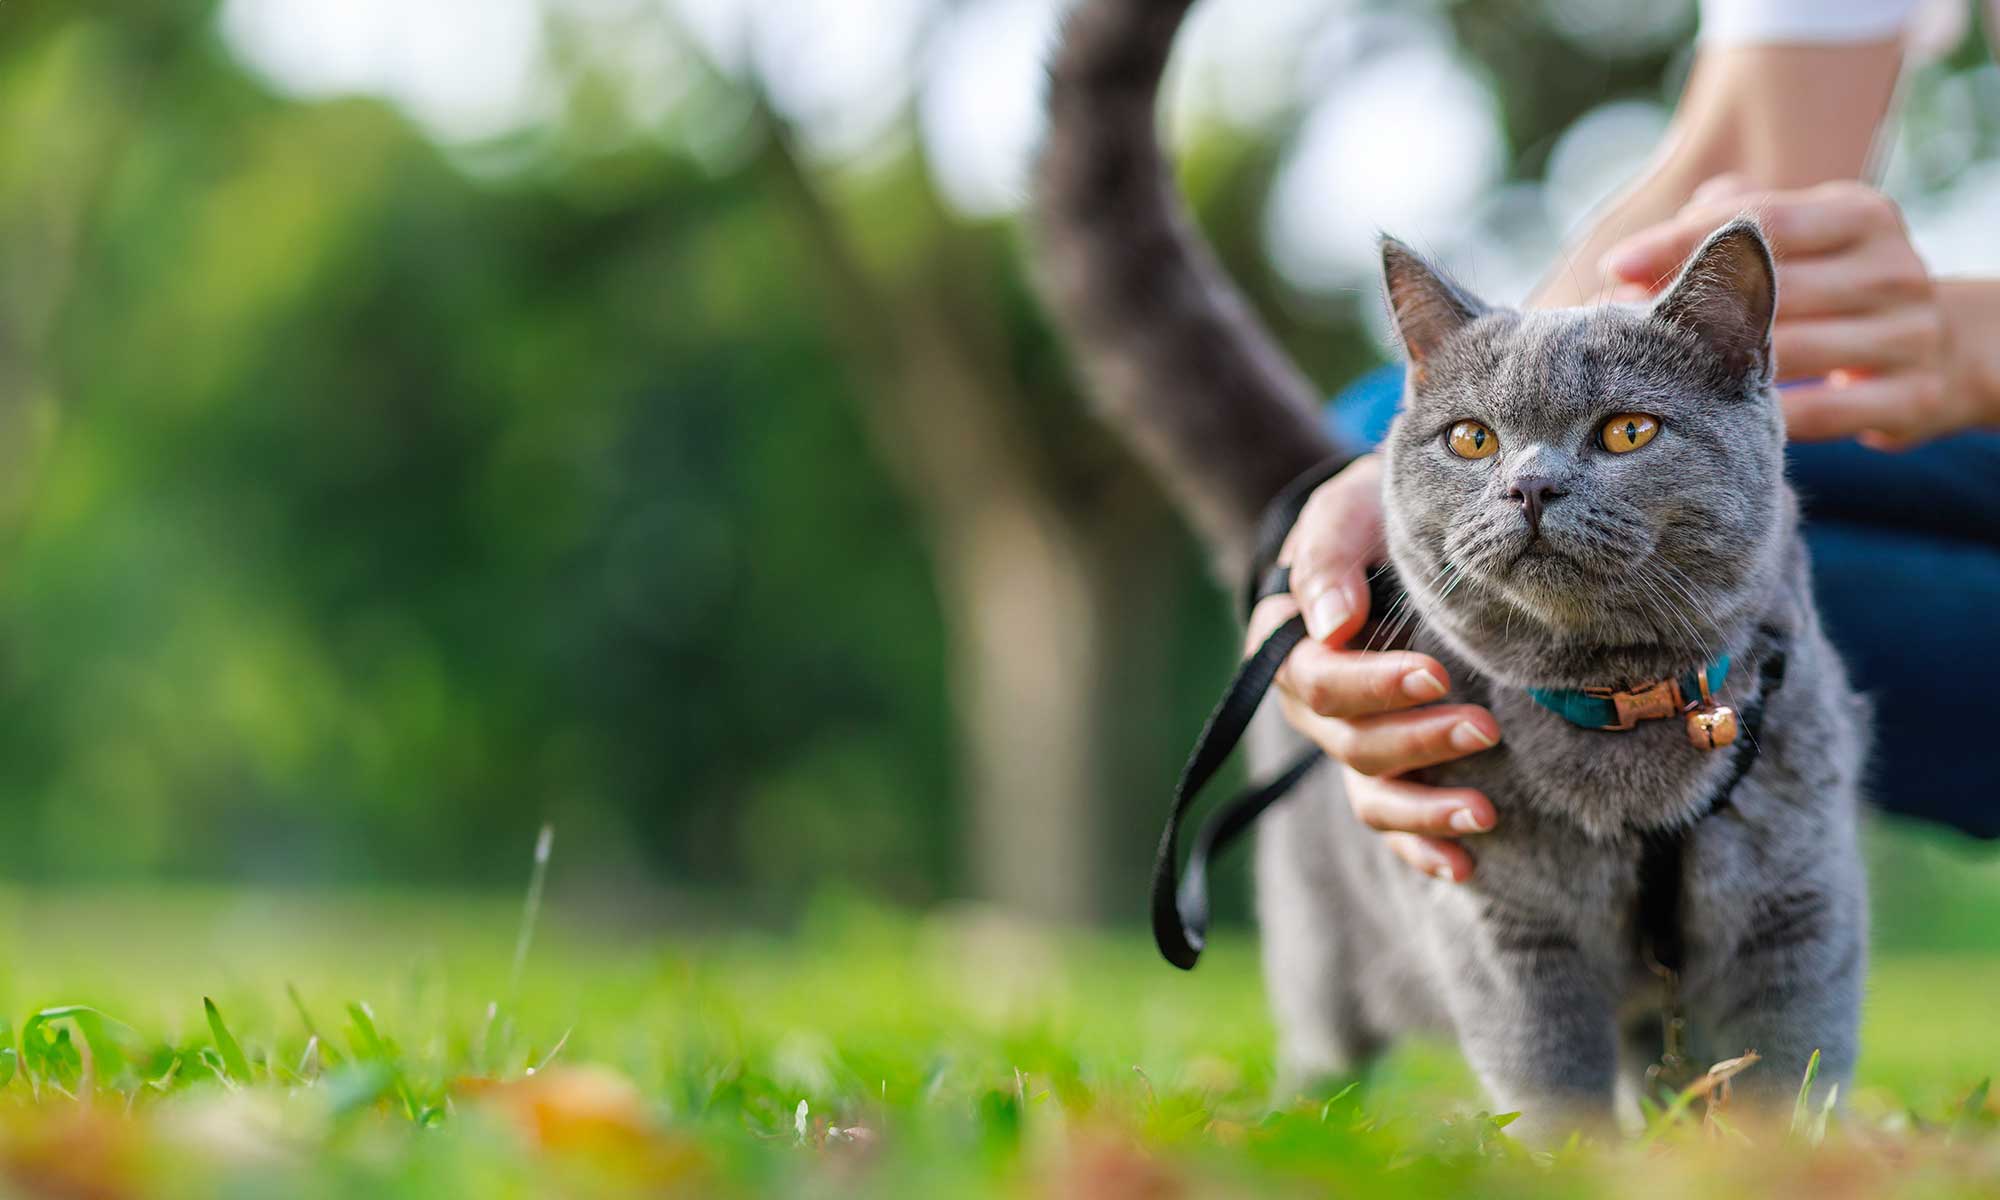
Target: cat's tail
{"points": [[1177, 361]]}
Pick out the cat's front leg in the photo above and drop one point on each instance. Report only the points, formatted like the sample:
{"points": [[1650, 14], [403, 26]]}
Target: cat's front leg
{"points": [[1537, 1023], [1787, 984]]}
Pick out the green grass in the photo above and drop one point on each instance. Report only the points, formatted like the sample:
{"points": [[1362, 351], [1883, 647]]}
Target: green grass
{"points": [[266, 1044]]}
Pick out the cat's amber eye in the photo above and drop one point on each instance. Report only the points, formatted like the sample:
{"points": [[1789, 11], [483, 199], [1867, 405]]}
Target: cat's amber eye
{"points": [[1470, 439], [1627, 432]]}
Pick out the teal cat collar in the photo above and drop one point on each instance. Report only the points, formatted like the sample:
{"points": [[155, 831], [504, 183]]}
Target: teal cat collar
{"points": [[1623, 709]]}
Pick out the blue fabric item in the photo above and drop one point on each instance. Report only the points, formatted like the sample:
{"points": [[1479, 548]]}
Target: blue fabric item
{"points": [[1906, 568], [1598, 712], [1360, 416]]}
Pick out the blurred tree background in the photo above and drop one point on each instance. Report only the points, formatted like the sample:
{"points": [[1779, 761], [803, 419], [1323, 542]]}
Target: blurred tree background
{"points": [[420, 421]]}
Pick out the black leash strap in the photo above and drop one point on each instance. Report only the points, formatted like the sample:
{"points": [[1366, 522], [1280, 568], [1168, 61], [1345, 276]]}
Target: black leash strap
{"points": [[1180, 911], [1180, 903]]}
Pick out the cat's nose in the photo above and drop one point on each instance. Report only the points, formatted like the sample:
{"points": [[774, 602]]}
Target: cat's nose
{"points": [[1531, 493]]}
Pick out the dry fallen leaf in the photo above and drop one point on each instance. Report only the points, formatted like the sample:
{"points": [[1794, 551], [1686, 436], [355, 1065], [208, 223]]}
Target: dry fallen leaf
{"points": [[566, 1107]]}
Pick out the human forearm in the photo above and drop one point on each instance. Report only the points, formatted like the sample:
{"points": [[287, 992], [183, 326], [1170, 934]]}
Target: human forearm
{"points": [[1779, 116]]}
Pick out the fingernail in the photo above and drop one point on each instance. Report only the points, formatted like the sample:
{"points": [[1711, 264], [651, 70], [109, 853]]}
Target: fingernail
{"points": [[1623, 263], [1467, 737], [1466, 821], [1442, 871], [1422, 685], [1327, 613]]}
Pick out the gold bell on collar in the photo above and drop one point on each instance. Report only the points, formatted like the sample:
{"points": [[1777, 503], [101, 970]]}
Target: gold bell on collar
{"points": [[1711, 725]]}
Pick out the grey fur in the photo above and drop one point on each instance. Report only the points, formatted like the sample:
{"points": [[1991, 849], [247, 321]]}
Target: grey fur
{"points": [[1648, 565], [1175, 358]]}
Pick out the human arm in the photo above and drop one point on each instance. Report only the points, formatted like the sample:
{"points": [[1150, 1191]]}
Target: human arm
{"points": [[1777, 116]]}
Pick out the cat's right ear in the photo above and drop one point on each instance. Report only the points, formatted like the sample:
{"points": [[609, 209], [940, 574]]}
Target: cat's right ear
{"points": [[1727, 295], [1427, 306]]}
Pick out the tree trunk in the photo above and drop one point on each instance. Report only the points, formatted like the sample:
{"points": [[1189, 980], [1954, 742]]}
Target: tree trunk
{"points": [[1024, 665]]}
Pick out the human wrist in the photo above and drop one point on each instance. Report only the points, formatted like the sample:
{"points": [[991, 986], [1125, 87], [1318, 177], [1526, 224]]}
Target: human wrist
{"points": [[1971, 311]]}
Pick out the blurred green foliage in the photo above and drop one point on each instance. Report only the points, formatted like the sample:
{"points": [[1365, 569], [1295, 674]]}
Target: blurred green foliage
{"points": [[382, 512]]}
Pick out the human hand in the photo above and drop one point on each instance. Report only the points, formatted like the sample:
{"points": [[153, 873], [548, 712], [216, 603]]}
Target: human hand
{"points": [[1859, 319], [1372, 712]]}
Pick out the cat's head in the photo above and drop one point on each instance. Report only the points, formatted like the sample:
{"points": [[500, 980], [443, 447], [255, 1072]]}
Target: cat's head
{"points": [[1590, 495]]}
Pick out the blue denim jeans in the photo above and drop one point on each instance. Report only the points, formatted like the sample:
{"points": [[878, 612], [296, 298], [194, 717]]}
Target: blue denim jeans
{"points": [[1906, 567]]}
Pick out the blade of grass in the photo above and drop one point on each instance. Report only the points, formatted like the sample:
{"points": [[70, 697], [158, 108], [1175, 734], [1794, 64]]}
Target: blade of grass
{"points": [[163, 1084], [207, 1057], [1326, 1109], [104, 1035], [226, 1044], [1802, 1108], [368, 1044], [1716, 1075], [531, 909], [1970, 1109], [1818, 1134], [328, 1052], [551, 1055]]}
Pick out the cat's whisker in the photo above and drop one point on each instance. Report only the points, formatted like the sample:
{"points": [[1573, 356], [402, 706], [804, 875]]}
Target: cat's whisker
{"points": [[1671, 607], [1390, 632], [1656, 617], [1391, 627], [1657, 605], [1669, 610], [1401, 610], [1679, 584], [1389, 615], [1643, 579]]}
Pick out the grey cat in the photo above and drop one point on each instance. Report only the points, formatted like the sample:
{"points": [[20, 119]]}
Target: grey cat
{"points": [[1575, 498]]}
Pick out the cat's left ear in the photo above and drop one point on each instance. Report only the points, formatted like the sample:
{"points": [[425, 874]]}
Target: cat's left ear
{"points": [[1427, 305], [1726, 296]]}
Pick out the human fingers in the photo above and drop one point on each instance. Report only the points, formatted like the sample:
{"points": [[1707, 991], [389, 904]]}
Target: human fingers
{"points": [[1436, 857], [1351, 683], [1889, 411], [1815, 221], [1393, 743], [1345, 683], [1846, 284], [1403, 806], [1338, 534], [1814, 347]]}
